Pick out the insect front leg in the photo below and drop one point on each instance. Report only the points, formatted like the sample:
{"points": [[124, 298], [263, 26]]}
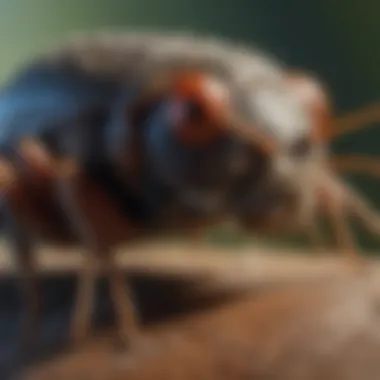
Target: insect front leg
{"points": [[99, 227]]}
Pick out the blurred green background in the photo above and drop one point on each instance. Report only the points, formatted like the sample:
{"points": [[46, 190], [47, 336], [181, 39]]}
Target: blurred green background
{"points": [[336, 39]]}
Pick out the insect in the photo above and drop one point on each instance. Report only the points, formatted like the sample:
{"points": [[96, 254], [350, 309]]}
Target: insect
{"points": [[99, 156], [116, 137]]}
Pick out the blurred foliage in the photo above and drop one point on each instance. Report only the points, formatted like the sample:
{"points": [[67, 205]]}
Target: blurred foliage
{"points": [[337, 40]]}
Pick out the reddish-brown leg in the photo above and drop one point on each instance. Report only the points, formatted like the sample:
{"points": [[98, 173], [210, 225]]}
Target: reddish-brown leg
{"points": [[336, 205], [356, 120], [100, 228], [18, 173], [356, 164], [21, 245]]}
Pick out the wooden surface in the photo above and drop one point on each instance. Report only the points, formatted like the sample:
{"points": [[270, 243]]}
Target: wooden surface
{"points": [[249, 265], [300, 317], [324, 330]]}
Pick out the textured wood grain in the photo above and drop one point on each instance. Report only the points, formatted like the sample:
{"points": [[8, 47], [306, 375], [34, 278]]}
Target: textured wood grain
{"points": [[329, 331], [300, 318]]}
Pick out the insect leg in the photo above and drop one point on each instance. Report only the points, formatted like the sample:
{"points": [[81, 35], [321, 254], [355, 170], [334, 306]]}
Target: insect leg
{"points": [[333, 201], [92, 215], [39, 166], [356, 164], [344, 236], [359, 207], [81, 315], [356, 120], [99, 227], [354, 203], [59, 170], [16, 206], [21, 245], [122, 299]]}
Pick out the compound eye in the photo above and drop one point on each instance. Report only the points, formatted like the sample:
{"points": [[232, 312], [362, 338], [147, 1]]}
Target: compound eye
{"points": [[199, 105], [302, 147]]}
